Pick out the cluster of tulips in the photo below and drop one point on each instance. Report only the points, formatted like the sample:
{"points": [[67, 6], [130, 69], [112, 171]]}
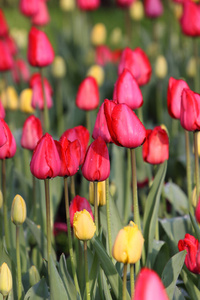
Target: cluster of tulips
{"points": [[107, 249]]}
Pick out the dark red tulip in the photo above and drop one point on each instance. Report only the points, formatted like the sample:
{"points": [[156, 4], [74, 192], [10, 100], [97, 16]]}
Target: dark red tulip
{"points": [[87, 97], [59, 227], [190, 20], [153, 8], [124, 3], [31, 132], [8, 149], [155, 149], [78, 204], [29, 7], [40, 51], [96, 166], [45, 162], [3, 25], [6, 61], [127, 91]]}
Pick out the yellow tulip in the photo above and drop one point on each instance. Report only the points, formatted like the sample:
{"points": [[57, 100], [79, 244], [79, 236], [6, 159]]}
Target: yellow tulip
{"points": [[97, 72], [191, 68], [83, 225], [25, 100], [58, 68], [67, 5], [18, 210], [98, 34], [20, 36], [5, 280], [128, 244], [137, 11], [161, 67], [9, 98], [101, 197], [116, 36], [1, 199]]}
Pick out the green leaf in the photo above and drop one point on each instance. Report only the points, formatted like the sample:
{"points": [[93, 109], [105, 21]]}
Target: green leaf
{"points": [[176, 197], [109, 269], [195, 226], [177, 294], [171, 272], [192, 289], [151, 257], [57, 288], [152, 206], [38, 292]]}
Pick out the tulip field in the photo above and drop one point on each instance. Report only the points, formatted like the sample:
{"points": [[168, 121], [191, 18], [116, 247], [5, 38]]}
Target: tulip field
{"points": [[99, 149]]}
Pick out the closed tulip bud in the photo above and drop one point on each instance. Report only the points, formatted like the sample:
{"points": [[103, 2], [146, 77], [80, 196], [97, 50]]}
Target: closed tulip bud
{"points": [[88, 4], [178, 10], [83, 225], [5, 280], [3, 25], [101, 193], [128, 244], [197, 212], [3, 134], [191, 68], [31, 133], [58, 67], [45, 162], [18, 210], [98, 34], [137, 10], [25, 100], [116, 36], [87, 97], [194, 197], [6, 61], [20, 71], [9, 98], [29, 8], [77, 204], [34, 275], [149, 286], [161, 67], [67, 5], [124, 3], [12, 46], [189, 21], [38, 44], [1, 199], [153, 8], [38, 95], [96, 166], [8, 149], [127, 90], [97, 72], [41, 17], [20, 36], [137, 62]]}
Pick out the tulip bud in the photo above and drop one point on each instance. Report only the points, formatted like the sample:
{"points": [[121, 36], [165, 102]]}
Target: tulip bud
{"points": [[84, 227], [128, 244], [20, 36], [78, 204], [41, 17], [178, 10], [34, 275], [161, 67], [88, 5], [25, 100], [137, 10], [101, 196], [116, 36], [197, 211], [191, 68], [58, 67], [3, 25], [67, 5], [87, 97], [5, 280], [1, 199], [8, 149], [31, 132], [98, 34], [9, 98], [18, 210], [6, 61], [97, 72]]}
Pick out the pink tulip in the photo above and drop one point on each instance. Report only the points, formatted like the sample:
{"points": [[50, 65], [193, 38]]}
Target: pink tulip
{"points": [[8, 149], [29, 7], [42, 17], [88, 4], [153, 8], [87, 97], [190, 20], [31, 132], [3, 25]]}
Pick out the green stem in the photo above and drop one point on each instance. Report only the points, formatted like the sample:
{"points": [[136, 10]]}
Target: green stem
{"points": [[70, 235], [19, 276], [46, 112], [59, 108], [196, 55], [96, 206], [86, 272], [48, 221], [128, 184], [72, 187], [108, 217], [188, 170], [196, 164], [124, 282], [5, 205], [132, 279], [34, 199]]}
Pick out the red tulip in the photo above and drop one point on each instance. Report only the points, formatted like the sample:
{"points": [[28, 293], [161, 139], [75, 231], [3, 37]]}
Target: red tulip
{"points": [[149, 286], [190, 110], [88, 4], [6, 61], [29, 7], [42, 17], [8, 149], [96, 166], [192, 246], [2, 111], [3, 136], [45, 162], [137, 62], [174, 92], [78, 204], [155, 149], [31, 133], [190, 20], [116, 54], [70, 154], [197, 211], [36, 78], [125, 3], [103, 55], [12, 46], [124, 126], [20, 71], [40, 51], [3, 25], [101, 127], [153, 8], [87, 97], [81, 134], [59, 227], [127, 91]]}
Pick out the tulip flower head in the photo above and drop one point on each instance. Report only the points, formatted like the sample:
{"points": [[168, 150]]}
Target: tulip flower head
{"points": [[3, 135], [197, 212], [6, 61], [192, 246], [153, 8], [96, 166], [58, 67], [9, 98], [8, 149], [97, 72], [12, 46], [83, 225], [103, 55], [155, 149], [5, 280], [161, 67], [25, 100], [137, 10], [18, 210], [88, 4], [29, 8], [41, 17], [87, 97], [77, 204], [190, 19], [98, 34], [34, 275], [3, 25], [128, 244], [31, 133], [149, 286], [45, 162], [124, 3], [101, 193], [20, 71]]}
